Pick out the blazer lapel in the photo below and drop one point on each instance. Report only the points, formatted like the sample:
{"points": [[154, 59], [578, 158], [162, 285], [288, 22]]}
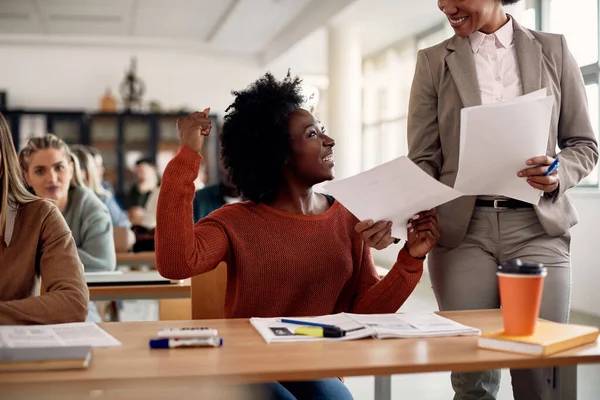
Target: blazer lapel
{"points": [[529, 58], [462, 67]]}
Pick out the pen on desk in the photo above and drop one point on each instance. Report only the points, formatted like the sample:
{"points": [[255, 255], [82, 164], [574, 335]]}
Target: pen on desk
{"points": [[553, 167], [167, 343], [305, 323]]}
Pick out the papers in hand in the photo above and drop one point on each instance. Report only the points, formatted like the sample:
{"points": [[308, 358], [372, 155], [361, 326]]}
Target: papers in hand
{"points": [[495, 142], [358, 326], [394, 191], [60, 335]]}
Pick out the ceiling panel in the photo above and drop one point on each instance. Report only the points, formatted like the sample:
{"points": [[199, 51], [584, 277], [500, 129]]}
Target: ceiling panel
{"points": [[254, 23], [89, 17], [185, 19], [18, 16]]}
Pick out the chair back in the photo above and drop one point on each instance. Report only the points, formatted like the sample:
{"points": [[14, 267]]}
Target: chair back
{"points": [[208, 293]]}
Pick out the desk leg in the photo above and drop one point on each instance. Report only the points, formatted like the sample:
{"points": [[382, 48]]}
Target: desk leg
{"points": [[567, 382], [383, 387]]}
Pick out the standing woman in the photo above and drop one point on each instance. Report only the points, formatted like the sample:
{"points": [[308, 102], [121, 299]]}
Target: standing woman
{"points": [[35, 244], [491, 59]]}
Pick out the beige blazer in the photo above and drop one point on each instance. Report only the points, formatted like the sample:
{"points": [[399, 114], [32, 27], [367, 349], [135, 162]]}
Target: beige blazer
{"points": [[445, 81]]}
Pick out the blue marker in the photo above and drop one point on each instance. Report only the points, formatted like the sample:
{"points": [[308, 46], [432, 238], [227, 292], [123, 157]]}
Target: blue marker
{"points": [[553, 167], [166, 343]]}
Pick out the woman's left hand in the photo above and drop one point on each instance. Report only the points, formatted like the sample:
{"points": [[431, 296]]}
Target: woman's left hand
{"points": [[423, 233], [535, 175]]}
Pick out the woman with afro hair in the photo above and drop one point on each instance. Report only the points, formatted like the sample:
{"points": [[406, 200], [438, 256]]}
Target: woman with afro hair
{"points": [[290, 251], [490, 59]]}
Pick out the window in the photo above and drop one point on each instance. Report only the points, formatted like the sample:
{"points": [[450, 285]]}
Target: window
{"points": [[579, 24], [387, 78], [592, 91]]}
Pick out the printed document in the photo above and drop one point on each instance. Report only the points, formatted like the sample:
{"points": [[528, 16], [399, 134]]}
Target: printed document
{"points": [[495, 142], [59, 335], [394, 191], [358, 326]]}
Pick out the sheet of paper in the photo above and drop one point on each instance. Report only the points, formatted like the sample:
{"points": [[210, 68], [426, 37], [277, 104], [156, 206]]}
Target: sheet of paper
{"points": [[495, 142], [413, 325], [59, 335], [394, 191]]}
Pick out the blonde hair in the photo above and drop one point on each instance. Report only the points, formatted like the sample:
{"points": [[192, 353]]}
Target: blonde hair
{"points": [[13, 189], [50, 141], [88, 164]]}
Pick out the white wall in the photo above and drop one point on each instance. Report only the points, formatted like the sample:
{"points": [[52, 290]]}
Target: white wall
{"points": [[75, 77]]}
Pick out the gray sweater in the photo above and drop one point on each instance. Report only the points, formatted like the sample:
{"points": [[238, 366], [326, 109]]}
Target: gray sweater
{"points": [[92, 230]]}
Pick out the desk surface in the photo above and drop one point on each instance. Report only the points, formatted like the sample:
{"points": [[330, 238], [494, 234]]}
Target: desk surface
{"points": [[245, 357], [174, 290], [142, 258]]}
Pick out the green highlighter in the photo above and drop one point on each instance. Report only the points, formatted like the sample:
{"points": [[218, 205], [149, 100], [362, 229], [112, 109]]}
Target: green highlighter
{"points": [[321, 332]]}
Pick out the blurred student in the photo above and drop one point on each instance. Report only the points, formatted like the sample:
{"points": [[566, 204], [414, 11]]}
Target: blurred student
{"points": [[146, 181], [52, 172], [290, 251], [100, 168], [123, 236], [211, 198], [35, 245]]}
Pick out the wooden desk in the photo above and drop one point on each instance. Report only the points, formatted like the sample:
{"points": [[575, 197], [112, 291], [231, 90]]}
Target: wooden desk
{"points": [[174, 299], [136, 259], [245, 357], [179, 290]]}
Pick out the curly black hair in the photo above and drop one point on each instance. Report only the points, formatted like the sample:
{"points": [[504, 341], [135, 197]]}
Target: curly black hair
{"points": [[509, 2], [255, 136]]}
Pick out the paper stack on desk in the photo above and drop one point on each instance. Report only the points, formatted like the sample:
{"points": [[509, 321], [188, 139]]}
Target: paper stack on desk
{"points": [[358, 326]]}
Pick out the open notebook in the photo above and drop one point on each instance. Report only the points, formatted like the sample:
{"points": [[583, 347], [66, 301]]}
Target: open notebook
{"points": [[358, 326]]}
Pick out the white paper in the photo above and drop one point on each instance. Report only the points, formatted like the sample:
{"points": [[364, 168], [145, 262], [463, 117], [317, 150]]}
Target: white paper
{"points": [[394, 191], [495, 142], [59, 335], [358, 326], [413, 325]]}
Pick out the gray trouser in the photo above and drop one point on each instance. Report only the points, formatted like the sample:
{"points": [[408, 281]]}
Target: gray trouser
{"points": [[464, 278]]}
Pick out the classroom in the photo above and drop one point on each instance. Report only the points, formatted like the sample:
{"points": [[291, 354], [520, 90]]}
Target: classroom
{"points": [[299, 199]]}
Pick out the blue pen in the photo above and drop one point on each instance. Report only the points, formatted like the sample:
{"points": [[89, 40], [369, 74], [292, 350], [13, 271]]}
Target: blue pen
{"points": [[296, 322], [553, 167]]}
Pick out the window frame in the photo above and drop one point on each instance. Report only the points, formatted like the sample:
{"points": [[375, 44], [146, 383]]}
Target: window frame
{"points": [[590, 72]]}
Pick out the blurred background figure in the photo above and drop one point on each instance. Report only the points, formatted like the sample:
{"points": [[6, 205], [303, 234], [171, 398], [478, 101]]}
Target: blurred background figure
{"points": [[123, 236], [147, 181]]}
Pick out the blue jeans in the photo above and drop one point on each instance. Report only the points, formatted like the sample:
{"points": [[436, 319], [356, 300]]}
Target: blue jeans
{"points": [[324, 389]]}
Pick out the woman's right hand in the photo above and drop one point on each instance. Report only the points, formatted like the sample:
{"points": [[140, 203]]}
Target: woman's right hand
{"points": [[376, 235], [193, 128]]}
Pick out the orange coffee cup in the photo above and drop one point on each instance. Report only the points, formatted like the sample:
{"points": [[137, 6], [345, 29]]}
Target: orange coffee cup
{"points": [[521, 286]]}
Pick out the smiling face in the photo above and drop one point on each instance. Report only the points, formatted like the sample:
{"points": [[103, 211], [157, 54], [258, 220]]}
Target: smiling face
{"points": [[468, 16], [49, 174], [312, 158]]}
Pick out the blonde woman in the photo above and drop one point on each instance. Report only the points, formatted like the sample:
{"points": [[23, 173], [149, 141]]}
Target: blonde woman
{"points": [[123, 236], [52, 172], [35, 243]]}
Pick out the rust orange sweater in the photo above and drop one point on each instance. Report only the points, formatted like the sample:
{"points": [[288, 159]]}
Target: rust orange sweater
{"points": [[278, 264]]}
